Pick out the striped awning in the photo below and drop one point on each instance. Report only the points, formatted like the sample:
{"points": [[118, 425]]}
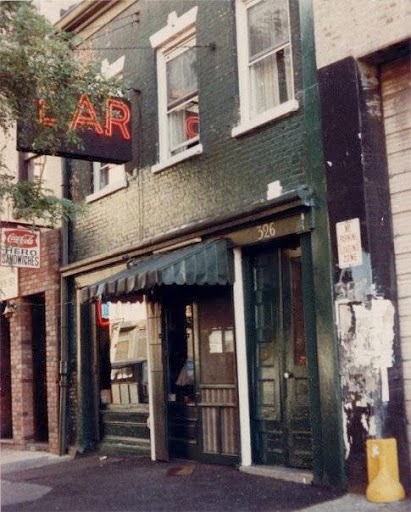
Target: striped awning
{"points": [[206, 263]]}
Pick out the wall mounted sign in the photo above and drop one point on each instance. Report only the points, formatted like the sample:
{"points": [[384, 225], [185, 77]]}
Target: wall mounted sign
{"points": [[104, 131], [266, 231], [349, 243], [20, 248], [9, 283]]}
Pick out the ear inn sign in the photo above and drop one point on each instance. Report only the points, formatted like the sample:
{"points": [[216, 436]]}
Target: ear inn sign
{"points": [[104, 131]]}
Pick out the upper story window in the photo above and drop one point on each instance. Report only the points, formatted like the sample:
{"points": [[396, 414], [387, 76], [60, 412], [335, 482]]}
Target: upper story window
{"points": [[107, 178], [178, 99], [264, 62], [31, 167]]}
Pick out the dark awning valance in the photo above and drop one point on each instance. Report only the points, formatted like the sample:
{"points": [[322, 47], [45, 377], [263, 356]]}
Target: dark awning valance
{"points": [[208, 263]]}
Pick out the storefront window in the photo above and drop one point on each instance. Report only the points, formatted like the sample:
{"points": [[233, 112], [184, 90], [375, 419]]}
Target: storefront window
{"points": [[124, 379]]}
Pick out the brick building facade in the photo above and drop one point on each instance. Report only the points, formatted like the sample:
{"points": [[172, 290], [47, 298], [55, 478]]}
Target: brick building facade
{"points": [[244, 195], [30, 336], [223, 226]]}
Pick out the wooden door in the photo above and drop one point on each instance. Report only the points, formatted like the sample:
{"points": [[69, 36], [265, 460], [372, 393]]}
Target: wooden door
{"points": [[278, 368], [217, 379], [202, 399]]}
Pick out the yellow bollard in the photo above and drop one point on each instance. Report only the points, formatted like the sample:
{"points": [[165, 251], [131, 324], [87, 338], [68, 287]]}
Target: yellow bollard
{"points": [[383, 476]]}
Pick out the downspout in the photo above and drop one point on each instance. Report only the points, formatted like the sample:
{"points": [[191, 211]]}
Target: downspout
{"points": [[64, 350]]}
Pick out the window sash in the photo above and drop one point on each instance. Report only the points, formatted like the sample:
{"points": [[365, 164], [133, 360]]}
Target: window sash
{"points": [[270, 80], [270, 73], [271, 28], [182, 112]]}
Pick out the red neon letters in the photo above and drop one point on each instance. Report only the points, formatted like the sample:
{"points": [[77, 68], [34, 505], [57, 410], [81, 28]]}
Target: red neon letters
{"points": [[117, 115]]}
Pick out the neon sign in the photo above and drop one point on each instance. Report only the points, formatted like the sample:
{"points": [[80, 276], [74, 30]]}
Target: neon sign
{"points": [[104, 137]]}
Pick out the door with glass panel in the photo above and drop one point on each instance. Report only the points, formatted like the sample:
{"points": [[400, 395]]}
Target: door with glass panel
{"points": [[202, 409], [281, 428]]}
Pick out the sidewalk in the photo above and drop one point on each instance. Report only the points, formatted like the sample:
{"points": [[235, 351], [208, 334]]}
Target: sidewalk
{"points": [[39, 481], [15, 460]]}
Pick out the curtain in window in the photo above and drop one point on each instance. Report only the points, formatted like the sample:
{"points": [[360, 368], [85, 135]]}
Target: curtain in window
{"points": [[182, 107], [269, 55]]}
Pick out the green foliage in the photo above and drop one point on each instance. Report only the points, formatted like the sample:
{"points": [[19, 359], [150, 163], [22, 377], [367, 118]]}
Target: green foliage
{"points": [[37, 62], [30, 201]]}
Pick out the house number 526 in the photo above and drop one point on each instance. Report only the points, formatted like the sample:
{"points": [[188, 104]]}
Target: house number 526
{"points": [[266, 231]]}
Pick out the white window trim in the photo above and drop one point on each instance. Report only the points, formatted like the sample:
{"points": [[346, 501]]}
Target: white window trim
{"points": [[178, 28], [246, 123], [112, 187], [179, 157], [264, 118]]}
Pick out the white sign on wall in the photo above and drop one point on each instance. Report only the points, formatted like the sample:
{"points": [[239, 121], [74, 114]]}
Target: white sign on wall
{"points": [[9, 283], [349, 243], [20, 248]]}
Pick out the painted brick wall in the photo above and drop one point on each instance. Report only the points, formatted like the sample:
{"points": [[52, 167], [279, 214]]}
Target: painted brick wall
{"points": [[44, 280], [229, 174], [357, 28]]}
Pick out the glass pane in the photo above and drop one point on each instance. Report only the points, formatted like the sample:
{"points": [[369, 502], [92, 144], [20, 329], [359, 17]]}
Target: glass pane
{"points": [[182, 76], [267, 393], [270, 81], [265, 354], [216, 319], [184, 125], [123, 354], [267, 26], [300, 353]]}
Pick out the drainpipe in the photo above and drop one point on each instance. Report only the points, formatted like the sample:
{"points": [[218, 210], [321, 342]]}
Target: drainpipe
{"points": [[64, 350]]}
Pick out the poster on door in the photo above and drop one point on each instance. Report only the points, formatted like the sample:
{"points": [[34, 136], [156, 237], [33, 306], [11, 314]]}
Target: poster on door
{"points": [[20, 248]]}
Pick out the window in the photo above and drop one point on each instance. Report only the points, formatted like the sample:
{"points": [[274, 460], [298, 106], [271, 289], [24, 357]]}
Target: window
{"points": [[178, 117], [31, 166], [264, 62], [107, 178]]}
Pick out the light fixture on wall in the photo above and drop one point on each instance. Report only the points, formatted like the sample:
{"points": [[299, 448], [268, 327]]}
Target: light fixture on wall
{"points": [[9, 309]]}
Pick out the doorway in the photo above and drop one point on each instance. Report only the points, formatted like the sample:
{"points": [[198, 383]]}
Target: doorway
{"points": [[201, 389], [5, 375], [39, 354], [279, 379]]}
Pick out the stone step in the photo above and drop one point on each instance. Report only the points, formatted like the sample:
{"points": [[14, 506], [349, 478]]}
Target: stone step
{"points": [[118, 415], [121, 446], [125, 429]]}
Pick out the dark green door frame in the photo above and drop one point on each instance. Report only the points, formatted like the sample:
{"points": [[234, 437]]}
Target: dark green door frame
{"points": [[330, 469]]}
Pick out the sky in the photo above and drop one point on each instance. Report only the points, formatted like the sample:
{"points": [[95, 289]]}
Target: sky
{"points": [[51, 8]]}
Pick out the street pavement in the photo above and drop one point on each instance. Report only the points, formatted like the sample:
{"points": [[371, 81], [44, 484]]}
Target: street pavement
{"points": [[41, 482]]}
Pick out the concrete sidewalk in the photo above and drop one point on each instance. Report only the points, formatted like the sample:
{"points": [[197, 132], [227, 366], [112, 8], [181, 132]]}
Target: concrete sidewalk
{"points": [[15, 460], [39, 481]]}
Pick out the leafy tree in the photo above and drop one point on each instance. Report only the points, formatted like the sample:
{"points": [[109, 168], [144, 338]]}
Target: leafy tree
{"points": [[37, 62]]}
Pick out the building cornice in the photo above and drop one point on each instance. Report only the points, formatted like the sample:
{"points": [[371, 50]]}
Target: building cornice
{"points": [[90, 15]]}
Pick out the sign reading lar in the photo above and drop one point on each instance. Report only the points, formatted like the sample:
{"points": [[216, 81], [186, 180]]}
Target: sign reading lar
{"points": [[20, 248], [104, 131]]}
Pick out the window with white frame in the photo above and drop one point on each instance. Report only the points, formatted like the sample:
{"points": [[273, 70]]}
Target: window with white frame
{"points": [[107, 178], [31, 167], [264, 62], [177, 77]]}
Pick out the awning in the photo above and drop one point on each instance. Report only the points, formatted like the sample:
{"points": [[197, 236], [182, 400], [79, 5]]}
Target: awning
{"points": [[206, 263]]}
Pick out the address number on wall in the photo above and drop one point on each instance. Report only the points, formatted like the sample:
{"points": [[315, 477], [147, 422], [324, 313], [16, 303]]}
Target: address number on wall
{"points": [[266, 230]]}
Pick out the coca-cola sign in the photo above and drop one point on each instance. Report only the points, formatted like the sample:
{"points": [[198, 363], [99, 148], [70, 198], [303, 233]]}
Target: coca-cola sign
{"points": [[20, 248], [20, 238]]}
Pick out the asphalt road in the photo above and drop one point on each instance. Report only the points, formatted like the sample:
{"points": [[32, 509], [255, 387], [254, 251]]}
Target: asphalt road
{"points": [[92, 483]]}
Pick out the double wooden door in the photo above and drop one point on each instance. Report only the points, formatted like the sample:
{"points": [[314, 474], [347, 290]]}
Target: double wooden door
{"points": [[280, 412]]}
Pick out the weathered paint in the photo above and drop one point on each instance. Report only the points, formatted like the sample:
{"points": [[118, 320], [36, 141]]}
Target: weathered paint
{"points": [[366, 339]]}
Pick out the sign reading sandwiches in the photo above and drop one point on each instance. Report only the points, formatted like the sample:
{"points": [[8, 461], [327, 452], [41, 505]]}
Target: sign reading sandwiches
{"points": [[20, 248]]}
